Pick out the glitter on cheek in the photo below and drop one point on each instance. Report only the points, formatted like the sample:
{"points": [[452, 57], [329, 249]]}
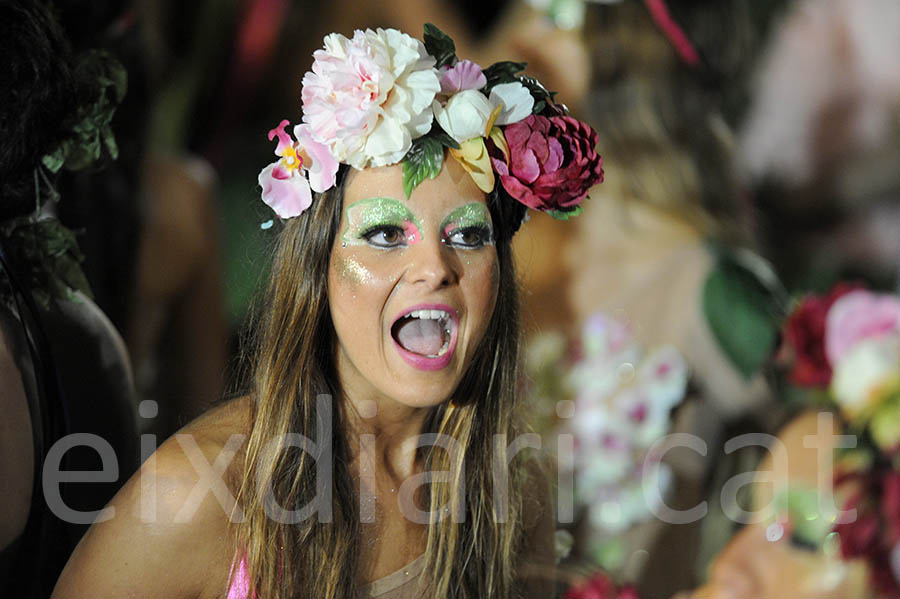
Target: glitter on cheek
{"points": [[351, 270]]}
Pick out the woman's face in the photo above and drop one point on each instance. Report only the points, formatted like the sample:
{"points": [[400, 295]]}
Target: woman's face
{"points": [[412, 284]]}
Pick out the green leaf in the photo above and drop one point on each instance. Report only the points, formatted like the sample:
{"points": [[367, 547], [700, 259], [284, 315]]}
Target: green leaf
{"points": [[439, 45], [743, 311], [502, 72], [565, 214], [445, 140], [423, 160]]}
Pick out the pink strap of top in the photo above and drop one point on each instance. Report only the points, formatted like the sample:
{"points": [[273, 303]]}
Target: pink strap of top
{"points": [[240, 582]]}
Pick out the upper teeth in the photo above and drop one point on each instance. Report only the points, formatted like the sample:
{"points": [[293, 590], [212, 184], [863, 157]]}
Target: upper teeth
{"points": [[430, 314]]}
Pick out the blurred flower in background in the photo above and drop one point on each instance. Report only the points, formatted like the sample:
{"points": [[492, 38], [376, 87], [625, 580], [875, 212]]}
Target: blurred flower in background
{"points": [[622, 396]]}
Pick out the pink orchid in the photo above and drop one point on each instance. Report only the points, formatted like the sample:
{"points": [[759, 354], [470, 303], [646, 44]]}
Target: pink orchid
{"points": [[304, 166], [324, 167], [286, 194], [856, 316]]}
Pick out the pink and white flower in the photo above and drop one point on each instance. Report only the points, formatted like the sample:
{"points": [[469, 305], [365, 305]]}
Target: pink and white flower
{"points": [[286, 188], [368, 97], [856, 316], [623, 398], [862, 374]]}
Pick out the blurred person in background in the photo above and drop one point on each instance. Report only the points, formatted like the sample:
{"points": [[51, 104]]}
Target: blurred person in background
{"points": [[150, 221], [64, 367], [820, 143], [668, 246]]}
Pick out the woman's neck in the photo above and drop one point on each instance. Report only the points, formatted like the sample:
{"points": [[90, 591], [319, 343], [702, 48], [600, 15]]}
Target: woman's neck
{"points": [[383, 435]]}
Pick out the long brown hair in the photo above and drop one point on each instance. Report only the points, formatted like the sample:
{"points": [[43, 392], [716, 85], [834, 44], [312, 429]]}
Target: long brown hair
{"points": [[467, 556]]}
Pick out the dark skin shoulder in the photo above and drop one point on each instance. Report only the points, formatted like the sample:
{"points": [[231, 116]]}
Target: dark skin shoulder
{"points": [[170, 534]]}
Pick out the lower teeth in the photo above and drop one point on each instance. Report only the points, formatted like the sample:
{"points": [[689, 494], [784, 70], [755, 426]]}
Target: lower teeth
{"points": [[444, 347]]}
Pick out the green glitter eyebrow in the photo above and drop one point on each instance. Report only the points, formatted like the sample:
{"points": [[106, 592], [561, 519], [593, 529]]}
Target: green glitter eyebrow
{"points": [[474, 214], [365, 215]]}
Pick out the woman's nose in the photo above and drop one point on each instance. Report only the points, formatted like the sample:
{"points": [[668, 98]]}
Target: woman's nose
{"points": [[433, 264]]}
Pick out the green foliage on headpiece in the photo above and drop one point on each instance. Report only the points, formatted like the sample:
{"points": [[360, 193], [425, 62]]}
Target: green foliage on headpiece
{"points": [[90, 130], [566, 214], [542, 97], [425, 158], [502, 72], [439, 45]]}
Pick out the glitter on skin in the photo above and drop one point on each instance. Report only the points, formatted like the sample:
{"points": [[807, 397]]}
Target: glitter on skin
{"points": [[474, 214], [353, 271], [368, 214]]}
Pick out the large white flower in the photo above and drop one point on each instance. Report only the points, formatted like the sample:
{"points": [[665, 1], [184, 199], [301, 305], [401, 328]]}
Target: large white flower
{"points": [[368, 97]]}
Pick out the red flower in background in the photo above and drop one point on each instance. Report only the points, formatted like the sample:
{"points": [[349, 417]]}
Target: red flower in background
{"points": [[804, 338], [890, 506], [600, 586], [876, 529]]}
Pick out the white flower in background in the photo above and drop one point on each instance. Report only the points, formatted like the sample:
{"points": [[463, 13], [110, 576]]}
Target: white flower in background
{"points": [[622, 404], [368, 97], [863, 370]]}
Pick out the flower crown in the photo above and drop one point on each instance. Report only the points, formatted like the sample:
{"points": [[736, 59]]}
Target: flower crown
{"points": [[384, 97]]}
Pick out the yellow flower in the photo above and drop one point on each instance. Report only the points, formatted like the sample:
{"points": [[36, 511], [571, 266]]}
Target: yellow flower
{"points": [[473, 156]]}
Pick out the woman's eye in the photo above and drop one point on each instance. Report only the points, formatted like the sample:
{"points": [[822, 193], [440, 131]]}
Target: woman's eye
{"points": [[470, 237], [385, 237]]}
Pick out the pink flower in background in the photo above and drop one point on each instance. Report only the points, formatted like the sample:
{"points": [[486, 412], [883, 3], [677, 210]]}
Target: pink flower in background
{"points": [[368, 97], [856, 316], [552, 163]]}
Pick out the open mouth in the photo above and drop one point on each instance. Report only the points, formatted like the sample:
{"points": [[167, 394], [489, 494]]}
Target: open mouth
{"points": [[426, 336], [424, 332]]}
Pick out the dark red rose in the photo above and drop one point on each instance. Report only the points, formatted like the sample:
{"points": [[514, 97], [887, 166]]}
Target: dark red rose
{"points": [[552, 162], [804, 338]]}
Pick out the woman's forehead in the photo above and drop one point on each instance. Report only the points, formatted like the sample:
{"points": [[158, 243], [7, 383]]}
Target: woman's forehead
{"points": [[453, 187]]}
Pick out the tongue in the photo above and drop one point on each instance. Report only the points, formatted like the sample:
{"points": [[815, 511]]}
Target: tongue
{"points": [[421, 336]]}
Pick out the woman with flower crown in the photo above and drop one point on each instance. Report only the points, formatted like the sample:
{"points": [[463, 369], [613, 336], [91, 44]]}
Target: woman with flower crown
{"points": [[376, 454]]}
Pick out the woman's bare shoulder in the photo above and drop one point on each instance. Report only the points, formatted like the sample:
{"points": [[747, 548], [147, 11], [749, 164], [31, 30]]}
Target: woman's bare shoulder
{"points": [[168, 532]]}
